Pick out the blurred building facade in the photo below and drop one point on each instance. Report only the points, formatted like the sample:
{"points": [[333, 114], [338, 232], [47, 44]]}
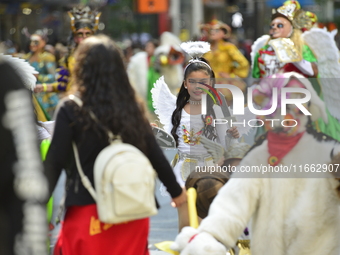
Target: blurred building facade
{"points": [[122, 19]]}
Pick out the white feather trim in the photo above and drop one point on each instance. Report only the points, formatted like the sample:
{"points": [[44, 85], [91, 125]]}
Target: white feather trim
{"points": [[257, 45], [324, 47], [196, 49], [164, 103], [23, 69]]}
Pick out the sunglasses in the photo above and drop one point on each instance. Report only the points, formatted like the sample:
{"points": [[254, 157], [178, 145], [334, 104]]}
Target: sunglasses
{"points": [[35, 43], [279, 25], [215, 30], [83, 35]]}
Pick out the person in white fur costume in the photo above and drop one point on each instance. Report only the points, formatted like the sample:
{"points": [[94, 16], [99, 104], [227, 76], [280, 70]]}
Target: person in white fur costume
{"points": [[296, 212]]}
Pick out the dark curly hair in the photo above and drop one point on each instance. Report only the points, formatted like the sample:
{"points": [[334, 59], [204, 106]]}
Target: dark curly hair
{"points": [[104, 87], [183, 97]]}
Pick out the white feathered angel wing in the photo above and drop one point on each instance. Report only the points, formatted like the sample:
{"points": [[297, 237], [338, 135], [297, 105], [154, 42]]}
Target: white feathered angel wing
{"points": [[257, 45], [23, 69], [323, 45], [164, 103], [215, 149]]}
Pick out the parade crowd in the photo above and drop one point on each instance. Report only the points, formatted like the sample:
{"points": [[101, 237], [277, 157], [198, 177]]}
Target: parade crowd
{"points": [[267, 185]]}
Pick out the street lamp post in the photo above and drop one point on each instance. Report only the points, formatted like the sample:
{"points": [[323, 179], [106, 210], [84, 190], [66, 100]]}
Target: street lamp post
{"points": [[175, 11], [197, 16]]}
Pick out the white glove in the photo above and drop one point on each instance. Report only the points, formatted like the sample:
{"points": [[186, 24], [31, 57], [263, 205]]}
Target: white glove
{"points": [[204, 244], [183, 238], [189, 241]]}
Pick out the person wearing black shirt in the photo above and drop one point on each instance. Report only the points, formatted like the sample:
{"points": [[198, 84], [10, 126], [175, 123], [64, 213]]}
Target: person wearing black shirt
{"points": [[102, 84]]}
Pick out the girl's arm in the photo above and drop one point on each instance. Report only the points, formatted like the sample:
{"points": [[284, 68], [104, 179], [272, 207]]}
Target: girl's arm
{"points": [[162, 167]]}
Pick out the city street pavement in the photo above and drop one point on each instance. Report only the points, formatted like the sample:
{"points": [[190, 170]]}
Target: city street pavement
{"points": [[158, 253], [163, 226]]}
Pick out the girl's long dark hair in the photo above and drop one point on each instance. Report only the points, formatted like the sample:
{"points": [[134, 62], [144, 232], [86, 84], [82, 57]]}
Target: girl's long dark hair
{"points": [[183, 97], [105, 89]]}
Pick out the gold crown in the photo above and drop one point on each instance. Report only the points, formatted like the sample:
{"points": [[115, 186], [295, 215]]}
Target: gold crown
{"points": [[293, 12], [288, 10], [302, 20], [84, 18]]}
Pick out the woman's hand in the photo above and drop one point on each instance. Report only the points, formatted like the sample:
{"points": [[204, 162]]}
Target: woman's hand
{"points": [[221, 161], [38, 88], [153, 124], [181, 199], [234, 132]]}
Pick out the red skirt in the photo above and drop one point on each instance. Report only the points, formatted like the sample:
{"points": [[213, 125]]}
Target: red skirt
{"points": [[82, 233]]}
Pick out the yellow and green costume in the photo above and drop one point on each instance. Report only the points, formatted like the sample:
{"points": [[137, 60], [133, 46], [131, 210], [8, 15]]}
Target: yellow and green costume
{"points": [[46, 66]]}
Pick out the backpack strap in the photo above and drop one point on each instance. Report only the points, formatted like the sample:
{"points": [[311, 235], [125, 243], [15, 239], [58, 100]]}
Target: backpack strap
{"points": [[76, 99], [85, 181]]}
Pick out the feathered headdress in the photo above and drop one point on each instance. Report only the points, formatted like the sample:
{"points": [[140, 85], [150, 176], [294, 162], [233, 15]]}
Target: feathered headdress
{"points": [[43, 33], [84, 18], [195, 50], [300, 19]]}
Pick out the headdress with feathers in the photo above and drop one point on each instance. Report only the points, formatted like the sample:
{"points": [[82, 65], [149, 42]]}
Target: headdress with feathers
{"points": [[196, 50], [43, 33]]}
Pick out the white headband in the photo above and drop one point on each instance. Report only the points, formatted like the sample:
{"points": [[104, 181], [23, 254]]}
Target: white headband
{"points": [[195, 60], [195, 50]]}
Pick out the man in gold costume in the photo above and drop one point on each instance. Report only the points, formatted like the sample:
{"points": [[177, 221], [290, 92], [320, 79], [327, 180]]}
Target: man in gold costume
{"points": [[225, 58], [84, 23]]}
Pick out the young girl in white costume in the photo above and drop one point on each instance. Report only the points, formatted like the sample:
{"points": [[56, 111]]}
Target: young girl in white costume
{"points": [[182, 117]]}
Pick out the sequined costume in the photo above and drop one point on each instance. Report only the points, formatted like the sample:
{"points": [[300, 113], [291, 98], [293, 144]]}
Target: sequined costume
{"points": [[191, 153], [228, 59], [46, 66], [267, 63], [296, 53], [284, 50], [65, 70], [84, 23], [225, 58]]}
